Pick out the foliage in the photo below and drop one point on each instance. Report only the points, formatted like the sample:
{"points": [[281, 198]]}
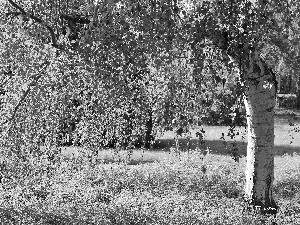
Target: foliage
{"points": [[75, 94], [111, 57]]}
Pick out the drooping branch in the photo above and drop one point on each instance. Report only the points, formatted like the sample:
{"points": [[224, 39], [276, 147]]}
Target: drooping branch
{"points": [[36, 19], [95, 16], [33, 83]]}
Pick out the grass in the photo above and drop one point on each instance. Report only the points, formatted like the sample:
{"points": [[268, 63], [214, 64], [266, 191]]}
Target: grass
{"points": [[191, 189], [149, 187]]}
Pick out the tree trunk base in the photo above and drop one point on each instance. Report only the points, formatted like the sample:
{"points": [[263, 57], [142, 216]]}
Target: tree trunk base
{"points": [[259, 208]]}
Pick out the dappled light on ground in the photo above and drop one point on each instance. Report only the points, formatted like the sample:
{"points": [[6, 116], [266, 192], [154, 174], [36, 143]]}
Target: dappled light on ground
{"points": [[186, 189]]}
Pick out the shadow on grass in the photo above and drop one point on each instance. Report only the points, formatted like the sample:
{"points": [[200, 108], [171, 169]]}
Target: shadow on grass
{"points": [[28, 216], [131, 161], [223, 147], [162, 149]]}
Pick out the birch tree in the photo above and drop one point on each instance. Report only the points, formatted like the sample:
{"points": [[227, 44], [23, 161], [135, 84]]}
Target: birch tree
{"points": [[251, 36]]}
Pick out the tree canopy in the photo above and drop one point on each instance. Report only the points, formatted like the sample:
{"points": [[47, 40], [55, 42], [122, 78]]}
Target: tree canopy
{"points": [[104, 51]]}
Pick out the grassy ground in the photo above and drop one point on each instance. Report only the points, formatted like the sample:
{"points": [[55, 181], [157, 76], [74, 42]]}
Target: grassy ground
{"points": [[150, 187], [185, 190]]}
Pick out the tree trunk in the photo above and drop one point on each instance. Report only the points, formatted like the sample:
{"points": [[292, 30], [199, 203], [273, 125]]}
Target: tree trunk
{"points": [[298, 95], [149, 138], [259, 100]]}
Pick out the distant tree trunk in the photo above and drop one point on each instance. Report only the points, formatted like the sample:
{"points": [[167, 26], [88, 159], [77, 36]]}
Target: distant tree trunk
{"points": [[127, 139], [279, 84], [279, 71], [290, 84], [259, 100], [149, 127], [298, 94]]}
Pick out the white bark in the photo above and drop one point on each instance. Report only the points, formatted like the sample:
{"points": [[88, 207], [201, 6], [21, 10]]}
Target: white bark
{"points": [[260, 102]]}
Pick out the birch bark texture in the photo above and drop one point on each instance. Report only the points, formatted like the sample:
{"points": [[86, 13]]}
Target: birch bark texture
{"points": [[259, 99]]}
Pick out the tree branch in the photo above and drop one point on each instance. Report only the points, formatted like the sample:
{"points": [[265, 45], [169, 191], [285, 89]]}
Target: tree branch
{"points": [[33, 83], [95, 16], [17, 6], [38, 20], [14, 14]]}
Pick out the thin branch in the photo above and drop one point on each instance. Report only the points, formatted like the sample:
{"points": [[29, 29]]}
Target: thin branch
{"points": [[95, 16], [40, 21], [17, 6], [14, 14], [33, 83]]}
